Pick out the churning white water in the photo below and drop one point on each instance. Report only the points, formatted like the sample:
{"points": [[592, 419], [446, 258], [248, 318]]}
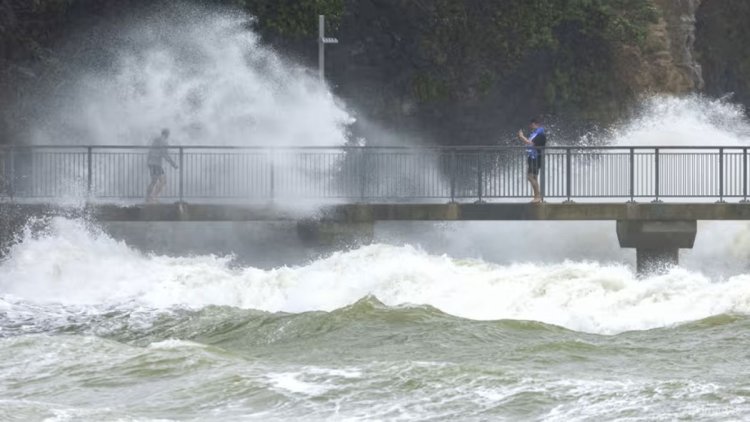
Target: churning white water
{"points": [[201, 73], [77, 265]]}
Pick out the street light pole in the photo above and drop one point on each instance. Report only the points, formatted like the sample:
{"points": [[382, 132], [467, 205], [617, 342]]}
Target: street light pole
{"points": [[322, 41]]}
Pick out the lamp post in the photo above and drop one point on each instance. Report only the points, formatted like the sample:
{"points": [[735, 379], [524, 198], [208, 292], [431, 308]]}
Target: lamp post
{"points": [[322, 41]]}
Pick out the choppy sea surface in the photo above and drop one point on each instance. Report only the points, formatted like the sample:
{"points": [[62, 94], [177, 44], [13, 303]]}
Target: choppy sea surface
{"points": [[92, 329]]}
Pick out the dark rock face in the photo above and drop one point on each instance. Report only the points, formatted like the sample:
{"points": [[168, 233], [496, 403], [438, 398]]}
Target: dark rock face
{"points": [[680, 18], [723, 48]]}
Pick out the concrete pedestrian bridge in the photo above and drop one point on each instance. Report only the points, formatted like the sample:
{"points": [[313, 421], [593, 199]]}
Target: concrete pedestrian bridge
{"points": [[655, 195]]}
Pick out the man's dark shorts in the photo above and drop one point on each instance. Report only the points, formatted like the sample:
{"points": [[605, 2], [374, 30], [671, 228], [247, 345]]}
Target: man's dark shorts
{"points": [[156, 171], [534, 164]]}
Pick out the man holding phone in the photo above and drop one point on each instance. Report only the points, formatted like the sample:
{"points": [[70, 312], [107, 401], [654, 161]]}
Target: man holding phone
{"points": [[534, 152]]}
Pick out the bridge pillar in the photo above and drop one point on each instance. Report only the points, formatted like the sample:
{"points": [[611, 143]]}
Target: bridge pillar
{"points": [[335, 234], [12, 222], [657, 243]]}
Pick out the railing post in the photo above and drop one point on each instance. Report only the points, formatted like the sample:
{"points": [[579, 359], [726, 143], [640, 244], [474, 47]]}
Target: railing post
{"points": [[272, 174], [721, 175], [89, 172], [632, 175], [453, 175], [182, 174], [542, 173], [362, 173], [480, 176], [744, 176], [12, 165], [568, 175], [656, 175]]}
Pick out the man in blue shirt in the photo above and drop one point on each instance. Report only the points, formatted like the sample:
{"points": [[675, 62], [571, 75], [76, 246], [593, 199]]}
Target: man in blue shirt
{"points": [[534, 153]]}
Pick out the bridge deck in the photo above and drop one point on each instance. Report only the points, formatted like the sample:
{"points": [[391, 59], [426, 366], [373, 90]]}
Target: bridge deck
{"points": [[393, 212]]}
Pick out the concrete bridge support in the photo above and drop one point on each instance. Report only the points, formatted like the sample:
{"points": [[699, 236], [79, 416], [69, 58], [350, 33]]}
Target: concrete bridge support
{"points": [[335, 234], [12, 222], [339, 227], [657, 243]]}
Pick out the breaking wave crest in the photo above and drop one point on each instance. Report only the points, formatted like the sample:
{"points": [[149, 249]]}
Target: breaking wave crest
{"points": [[75, 264]]}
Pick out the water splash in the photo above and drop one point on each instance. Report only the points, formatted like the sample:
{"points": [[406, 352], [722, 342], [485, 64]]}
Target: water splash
{"points": [[202, 73], [694, 120]]}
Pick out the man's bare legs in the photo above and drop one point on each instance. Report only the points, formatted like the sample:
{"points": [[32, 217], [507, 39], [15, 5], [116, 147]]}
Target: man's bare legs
{"points": [[150, 189], [155, 187], [534, 187], [159, 185]]}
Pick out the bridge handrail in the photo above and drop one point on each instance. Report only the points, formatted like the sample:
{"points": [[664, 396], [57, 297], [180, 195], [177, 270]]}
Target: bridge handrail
{"points": [[387, 147], [379, 172]]}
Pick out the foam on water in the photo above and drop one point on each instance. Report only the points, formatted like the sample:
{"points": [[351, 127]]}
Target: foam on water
{"points": [[79, 265], [290, 381]]}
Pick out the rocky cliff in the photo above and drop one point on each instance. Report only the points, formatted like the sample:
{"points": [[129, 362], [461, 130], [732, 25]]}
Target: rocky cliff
{"points": [[722, 47], [666, 61]]}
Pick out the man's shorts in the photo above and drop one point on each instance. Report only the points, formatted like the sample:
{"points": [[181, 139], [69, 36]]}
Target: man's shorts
{"points": [[534, 164], [156, 171]]}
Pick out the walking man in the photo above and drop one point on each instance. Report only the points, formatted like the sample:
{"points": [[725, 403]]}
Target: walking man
{"points": [[156, 153], [534, 152]]}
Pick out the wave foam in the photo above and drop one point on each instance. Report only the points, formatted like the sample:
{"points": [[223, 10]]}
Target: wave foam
{"points": [[76, 264]]}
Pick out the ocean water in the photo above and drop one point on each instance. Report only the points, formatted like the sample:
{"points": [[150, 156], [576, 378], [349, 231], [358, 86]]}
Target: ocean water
{"points": [[93, 329]]}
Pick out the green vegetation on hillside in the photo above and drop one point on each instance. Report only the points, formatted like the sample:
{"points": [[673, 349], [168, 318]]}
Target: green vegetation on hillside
{"points": [[474, 45], [292, 18]]}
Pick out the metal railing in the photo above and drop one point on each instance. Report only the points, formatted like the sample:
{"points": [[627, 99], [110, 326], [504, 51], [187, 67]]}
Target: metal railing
{"points": [[375, 173]]}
